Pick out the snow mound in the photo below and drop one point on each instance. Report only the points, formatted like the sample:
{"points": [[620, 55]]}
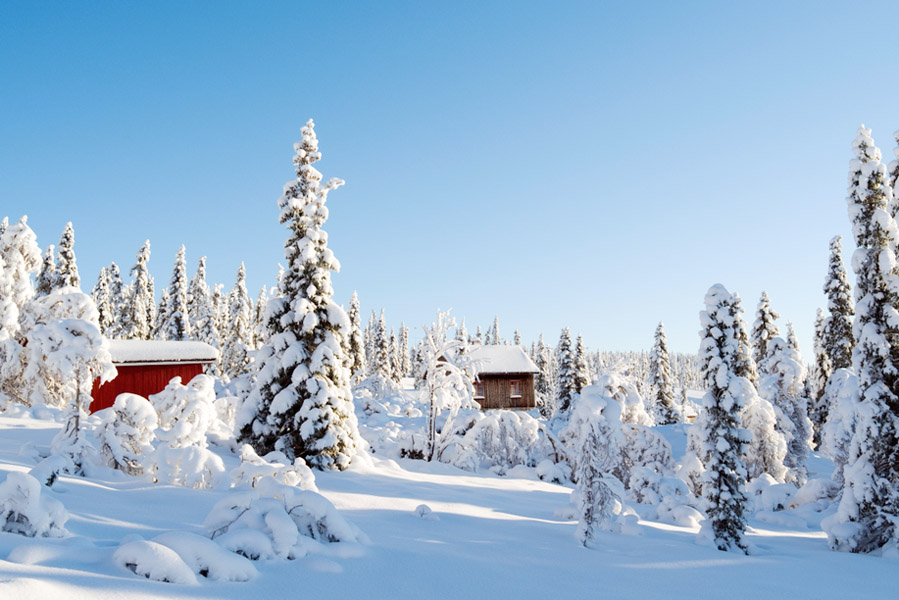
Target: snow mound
{"points": [[276, 465], [48, 470], [154, 561], [26, 510], [207, 558]]}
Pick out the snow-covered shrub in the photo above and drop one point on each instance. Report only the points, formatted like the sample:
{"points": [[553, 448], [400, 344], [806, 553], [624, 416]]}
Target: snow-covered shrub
{"points": [[595, 409], [126, 433], [643, 485], [154, 561], [553, 472], [501, 440], [841, 398], [767, 494], [644, 447], [274, 519], [47, 471], [185, 412], [676, 506], [27, 510], [207, 558], [190, 466], [767, 448], [623, 388], [275, 464], [819, 491]]}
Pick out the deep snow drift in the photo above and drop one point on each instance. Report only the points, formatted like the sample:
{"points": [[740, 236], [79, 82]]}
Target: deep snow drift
{"points": [[422, 530]]}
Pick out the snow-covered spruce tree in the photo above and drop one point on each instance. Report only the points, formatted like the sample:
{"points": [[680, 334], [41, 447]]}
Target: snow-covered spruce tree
{"points": [[369, 342], [782, 383], [220, 305], [176, 321], [301, 398], [763, 329], [894, 178], [46, 279], [666, 411], [73, 353], [200, 307], [581, 368], [235, 346], [393, 353], [566, 376], [721, 440], [404, 364], [103, 299], [158, 332], [355, 344], [118, 300], [819, 373], [867, 518], [259, 327], [595, 496], [545, 383], [380, 362], [493, 333], [516, 338], [127, 433], [140, 313], [66, 273], [838, 338]]}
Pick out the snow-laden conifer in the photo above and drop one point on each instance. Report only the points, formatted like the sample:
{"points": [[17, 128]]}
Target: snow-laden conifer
{"points": [[721, 440], [403, 362], [301, 402], [140, 312], [545, 381], [175, 322], [201, 307], [235, 346], [161, 312], [838, 338], [66, 273], [118, 301], [782, 383], [581, 368], [819, 372], [46, 279], [566, 375], [665, 409], [763, 329], [103, 299], [493, 333], [127, 432], [868, 514], [355, 343]]}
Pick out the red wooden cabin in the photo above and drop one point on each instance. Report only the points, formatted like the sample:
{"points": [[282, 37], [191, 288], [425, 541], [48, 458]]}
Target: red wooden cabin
{"points": [[145, 367]]}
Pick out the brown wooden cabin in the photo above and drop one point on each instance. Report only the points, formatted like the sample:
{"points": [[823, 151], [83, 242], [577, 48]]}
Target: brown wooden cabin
{"points": [[145, 367], [505, 378]]}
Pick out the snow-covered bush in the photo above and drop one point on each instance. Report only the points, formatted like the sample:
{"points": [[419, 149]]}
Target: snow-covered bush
{"points": [[645, 448], [47, 471], [676, 505], [207, 558], [274, 519], [190, 466], [154, 561], [766, 493], [126, 433], [185, 412], [767, 448], [596, 409], [275, 464], [26, 509], [841, 398]]}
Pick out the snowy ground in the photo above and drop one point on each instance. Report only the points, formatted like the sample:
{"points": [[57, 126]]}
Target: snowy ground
{"points": [[488, 536]]}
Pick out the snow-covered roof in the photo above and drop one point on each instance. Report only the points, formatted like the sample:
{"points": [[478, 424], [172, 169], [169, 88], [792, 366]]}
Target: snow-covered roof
{"points": [[155, 351], [503, 359]]}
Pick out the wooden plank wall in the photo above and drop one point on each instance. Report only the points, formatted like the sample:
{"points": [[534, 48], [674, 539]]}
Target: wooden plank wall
{"points": [[497, 392], [143, 380]]}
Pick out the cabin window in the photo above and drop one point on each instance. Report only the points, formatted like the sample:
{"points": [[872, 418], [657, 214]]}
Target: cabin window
{"points": [[478, 389], [515, 388]]}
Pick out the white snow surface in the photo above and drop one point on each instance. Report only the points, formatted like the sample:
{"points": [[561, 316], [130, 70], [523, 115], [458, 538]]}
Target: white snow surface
{"points": [[484, 536], [158, 351], [502, 359]]}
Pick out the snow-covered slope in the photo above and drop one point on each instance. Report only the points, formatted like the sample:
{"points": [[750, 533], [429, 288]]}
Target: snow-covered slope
{"points": [[484, 537]]}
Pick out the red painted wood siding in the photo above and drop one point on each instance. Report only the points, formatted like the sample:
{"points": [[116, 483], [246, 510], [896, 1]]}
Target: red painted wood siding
{"points": [[143, 380]]}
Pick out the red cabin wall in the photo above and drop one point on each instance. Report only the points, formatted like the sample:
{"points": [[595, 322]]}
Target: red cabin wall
{"points": [[143, 380]]}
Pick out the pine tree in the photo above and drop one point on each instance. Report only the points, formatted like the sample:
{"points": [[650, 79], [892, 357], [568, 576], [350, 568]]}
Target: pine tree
{"points": [[838, 339], [220, 305], [869, 508], [158, 332], [493, 333], [201, 307], [393, 352], [235, 347], [103, 299], [43, 285], [545, 383], [66, 268], [720, 438], [516, 339], [581, 369], [817, 380], [566, 375], [380, 363], [140, 313], [478, 336], [369, 339], [175, 323], [355, 344], [403, 361], [301, 396], [893, 182], [660, 381], [763, 329], [259, 325], [118, 301]]}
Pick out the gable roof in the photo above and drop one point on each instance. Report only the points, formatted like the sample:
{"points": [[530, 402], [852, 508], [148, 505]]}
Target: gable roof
{"points": [[132, 352], [502, 359]]}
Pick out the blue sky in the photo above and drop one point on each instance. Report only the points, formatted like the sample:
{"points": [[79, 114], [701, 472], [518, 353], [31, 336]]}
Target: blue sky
{"points": [[583, 164]]}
